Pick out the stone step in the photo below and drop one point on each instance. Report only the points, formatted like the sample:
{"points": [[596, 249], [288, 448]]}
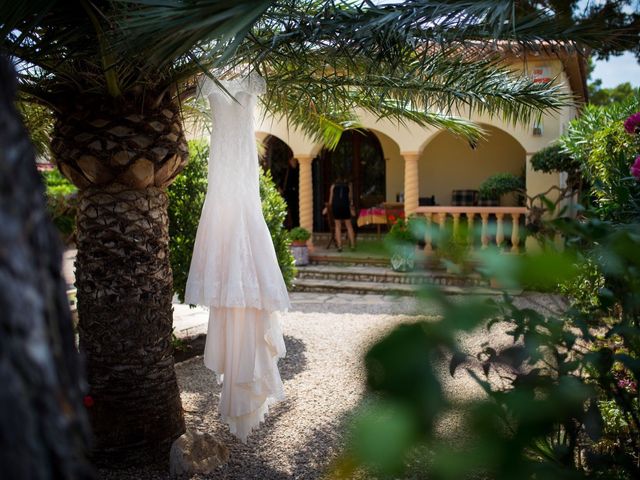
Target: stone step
{"points": [[364, 288], [376, 274], [322, 238], [346, 259]]}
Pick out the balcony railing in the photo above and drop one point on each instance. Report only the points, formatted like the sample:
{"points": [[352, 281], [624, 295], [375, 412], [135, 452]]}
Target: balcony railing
{"points": [[440, 214]]}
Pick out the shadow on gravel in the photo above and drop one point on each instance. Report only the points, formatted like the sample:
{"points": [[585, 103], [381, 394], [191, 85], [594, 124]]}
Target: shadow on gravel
{"points": [[295, 361], [323, 446]]}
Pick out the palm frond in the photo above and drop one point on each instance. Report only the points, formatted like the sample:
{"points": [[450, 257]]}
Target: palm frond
{"points": [[165, 31]]}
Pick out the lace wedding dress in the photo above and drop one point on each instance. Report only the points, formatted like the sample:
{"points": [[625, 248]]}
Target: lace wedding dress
{"points": [[234, 271]]}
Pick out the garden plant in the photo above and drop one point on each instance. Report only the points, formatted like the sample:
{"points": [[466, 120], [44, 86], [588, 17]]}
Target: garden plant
{"points": [[561, 399]]}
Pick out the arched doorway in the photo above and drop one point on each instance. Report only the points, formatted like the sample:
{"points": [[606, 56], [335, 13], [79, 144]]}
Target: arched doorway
{"points": [[359, 158], [448, 162], [278, 159]]}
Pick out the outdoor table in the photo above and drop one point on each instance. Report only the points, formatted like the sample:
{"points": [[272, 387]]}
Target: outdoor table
{"points": [[372, 216]]}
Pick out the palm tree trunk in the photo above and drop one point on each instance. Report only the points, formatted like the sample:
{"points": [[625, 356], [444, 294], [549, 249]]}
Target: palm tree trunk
{"points": [[122, 157], [43, 426], [124, 304]]}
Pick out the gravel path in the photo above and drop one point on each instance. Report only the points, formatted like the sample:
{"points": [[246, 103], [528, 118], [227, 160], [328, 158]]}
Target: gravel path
{"points": [[324, 381]]}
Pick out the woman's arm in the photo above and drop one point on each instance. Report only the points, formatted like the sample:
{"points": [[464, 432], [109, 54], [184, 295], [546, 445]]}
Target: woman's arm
{"points": [[352, 207], [324, 210]]}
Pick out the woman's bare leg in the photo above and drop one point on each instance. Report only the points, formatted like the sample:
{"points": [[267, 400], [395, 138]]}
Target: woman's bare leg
{"points": [[350, 233], [338, 229]]}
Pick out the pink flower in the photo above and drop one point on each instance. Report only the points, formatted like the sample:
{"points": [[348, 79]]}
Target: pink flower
{"points": [[628, 385], [632, 124], [635, 168]]}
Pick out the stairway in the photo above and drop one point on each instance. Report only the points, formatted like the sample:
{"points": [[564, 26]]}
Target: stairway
{"points": [[355, 276]]}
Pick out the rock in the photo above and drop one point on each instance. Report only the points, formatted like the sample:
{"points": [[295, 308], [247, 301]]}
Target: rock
{"points": [[196, 453]]}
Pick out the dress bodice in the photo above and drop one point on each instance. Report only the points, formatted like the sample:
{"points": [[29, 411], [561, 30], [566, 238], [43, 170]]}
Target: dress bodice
{"points": [[233, 159]]}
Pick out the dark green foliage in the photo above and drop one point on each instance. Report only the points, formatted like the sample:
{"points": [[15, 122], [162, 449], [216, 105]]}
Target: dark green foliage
{"points": [[186, 197], [553, 159], [500, 184], [607, 96], [57, 184], [299, 234], [274, 209], [605, 152], [561, 397], [406, 231], [39, 122], [61, 203], [566, 405]]}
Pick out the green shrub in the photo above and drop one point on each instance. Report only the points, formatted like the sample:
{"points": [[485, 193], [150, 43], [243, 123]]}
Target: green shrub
{"points": [[500, 184], [57, 184], [299, 234], [274, 209], [605, 151], [61, 203], [186, 197], [554, 158], [406, 231]]}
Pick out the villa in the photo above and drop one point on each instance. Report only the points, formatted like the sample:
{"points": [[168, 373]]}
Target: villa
{"points": [[422, 170]]}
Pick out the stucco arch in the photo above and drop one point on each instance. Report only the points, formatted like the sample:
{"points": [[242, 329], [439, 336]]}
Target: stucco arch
{"points": [[448, 162]]}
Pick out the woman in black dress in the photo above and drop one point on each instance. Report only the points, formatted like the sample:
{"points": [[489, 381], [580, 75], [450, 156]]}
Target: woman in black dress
{"points": [[342, 208]]}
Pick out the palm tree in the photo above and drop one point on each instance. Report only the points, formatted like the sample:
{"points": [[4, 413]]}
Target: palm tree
{"points": [[115, 73], [43, 427]]}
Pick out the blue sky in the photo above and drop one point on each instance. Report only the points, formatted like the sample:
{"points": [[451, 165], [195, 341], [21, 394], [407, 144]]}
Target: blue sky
{"points": [[618, 70]]}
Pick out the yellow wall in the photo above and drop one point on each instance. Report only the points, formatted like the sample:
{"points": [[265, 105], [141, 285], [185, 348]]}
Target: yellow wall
{"points": [[448, 163]]}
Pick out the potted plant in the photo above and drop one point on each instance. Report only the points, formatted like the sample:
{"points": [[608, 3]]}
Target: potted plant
{"points": [[501, 184], [402, 240], [299, 237]]}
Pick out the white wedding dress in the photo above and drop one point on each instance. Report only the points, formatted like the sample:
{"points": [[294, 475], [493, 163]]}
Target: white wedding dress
{"points": [[234, 271]]}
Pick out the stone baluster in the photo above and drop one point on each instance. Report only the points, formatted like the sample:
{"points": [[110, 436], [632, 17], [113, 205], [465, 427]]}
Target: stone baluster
{"points": [[442, 222], [515, 232], [428, 237], [456, 223], [470, 217], [485, 230], [500, 229]]}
